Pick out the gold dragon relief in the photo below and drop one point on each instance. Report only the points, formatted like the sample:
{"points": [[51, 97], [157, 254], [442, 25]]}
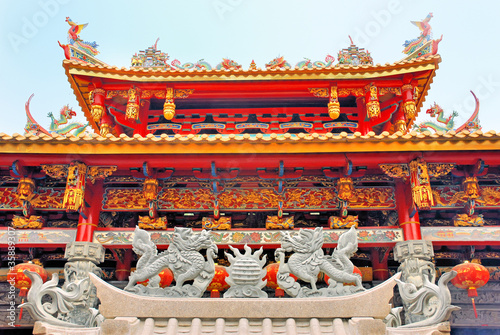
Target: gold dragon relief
{"points": [[172, 198], [248, 198], [372, 197], [126, 199], [489, 196], [312, 198]]}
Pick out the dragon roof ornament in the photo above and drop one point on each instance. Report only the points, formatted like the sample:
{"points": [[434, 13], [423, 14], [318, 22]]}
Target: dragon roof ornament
{"points": [[78, 49], [423, 45], [354, 55]]}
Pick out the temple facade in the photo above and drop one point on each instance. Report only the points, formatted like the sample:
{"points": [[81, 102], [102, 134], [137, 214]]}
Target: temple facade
{"points": [[251, 155]]}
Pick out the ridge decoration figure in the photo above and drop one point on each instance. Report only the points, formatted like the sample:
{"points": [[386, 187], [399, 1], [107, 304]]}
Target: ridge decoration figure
{"points": [[308, 260], [183, 257]]}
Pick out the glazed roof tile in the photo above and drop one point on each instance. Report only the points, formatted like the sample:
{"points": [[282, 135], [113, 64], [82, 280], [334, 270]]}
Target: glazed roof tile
{"points": [[404, 62], [489, 140]]}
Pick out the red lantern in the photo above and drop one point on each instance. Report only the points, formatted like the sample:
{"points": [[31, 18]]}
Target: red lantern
{"points": [[218, 283], [166, 278], [356, 270], [272, 282], [470, 276], [21, 281]]}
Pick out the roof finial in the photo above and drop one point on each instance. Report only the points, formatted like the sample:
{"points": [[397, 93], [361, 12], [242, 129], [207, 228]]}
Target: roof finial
{"points": [[352, 43], [156, 43]]}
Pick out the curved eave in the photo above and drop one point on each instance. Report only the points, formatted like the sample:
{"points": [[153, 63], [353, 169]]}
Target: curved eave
{"points": [[333, 73], [244, 144]]}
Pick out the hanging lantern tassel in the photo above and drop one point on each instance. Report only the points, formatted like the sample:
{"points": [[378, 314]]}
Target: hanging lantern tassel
{"points": [[22, 282], [474, 304], [470, 276]]}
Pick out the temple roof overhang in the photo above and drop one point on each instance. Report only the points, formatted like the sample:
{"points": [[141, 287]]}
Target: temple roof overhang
{"points": [[451, 147], [237, 87]]}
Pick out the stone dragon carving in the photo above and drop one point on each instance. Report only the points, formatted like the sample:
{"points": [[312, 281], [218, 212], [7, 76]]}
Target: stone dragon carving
{"points": [[182, 257], [424, 303], [308, 260], [67, 307], [431, 302]]}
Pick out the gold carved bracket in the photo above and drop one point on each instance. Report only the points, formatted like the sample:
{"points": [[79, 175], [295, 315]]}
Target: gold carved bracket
{"points": [[345, 92], [395, 170], [386, 90], [438, 169], [148, 94], [60, 171], [56, 171], [183, 93], [100, 172], [320, 92]]}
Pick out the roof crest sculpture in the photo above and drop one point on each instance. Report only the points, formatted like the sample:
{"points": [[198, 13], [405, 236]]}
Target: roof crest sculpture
{"points": [[423, 45]]}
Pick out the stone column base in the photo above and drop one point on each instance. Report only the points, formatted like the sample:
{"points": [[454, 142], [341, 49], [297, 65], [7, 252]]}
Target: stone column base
{"points": [[439, 329], [44, 328]]}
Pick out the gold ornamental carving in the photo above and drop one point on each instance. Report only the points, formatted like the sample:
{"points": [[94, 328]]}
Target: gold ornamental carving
{"points": [[345, 188], [169, 106], [104, 129], [400, 125], [121, 93], [336, 222], [223, 223], [420, 184], [470, 186], [465, 220], [183, 93], [440, 169], [132, 111], [334, 105], [150, 189], [97, 112], [393, 90], [274, 222], [345, 92], [25, 189], [75, 186], [410, 109], [407, 87], [320, 92], [372, 103], [100, 172], [395, 170], [33, 222], [148, 94], [56, 171], [146, 222]]}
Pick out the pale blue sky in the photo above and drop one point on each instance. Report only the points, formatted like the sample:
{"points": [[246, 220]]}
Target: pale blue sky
{"points": [[243, 30]]}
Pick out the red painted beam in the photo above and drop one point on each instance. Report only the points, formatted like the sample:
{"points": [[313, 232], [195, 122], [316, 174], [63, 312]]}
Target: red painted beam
{"points": [[252, 160], [227, 86]]}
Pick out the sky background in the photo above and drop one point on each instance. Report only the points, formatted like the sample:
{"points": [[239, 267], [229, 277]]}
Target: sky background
{"points": [[31, 59]]}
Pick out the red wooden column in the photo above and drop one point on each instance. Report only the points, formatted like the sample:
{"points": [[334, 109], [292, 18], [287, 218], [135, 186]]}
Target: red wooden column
{"points": [[88, 222], [410, 225], [363, 126], [379, 263], [123, 266], [142, 125]]}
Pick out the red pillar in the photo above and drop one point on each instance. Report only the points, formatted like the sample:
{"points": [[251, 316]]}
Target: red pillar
{"points": [[123, 267], [86, 226], [141, 127], [363, 126], [410, 225], [379, 264]]}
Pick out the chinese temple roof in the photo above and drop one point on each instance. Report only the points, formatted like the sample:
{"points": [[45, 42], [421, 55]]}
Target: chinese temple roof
{"points": [[237, 83], [269, 143]]}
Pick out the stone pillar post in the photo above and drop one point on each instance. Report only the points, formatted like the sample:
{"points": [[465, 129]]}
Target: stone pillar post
{"points": [[83, 258], [415, 258]]}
